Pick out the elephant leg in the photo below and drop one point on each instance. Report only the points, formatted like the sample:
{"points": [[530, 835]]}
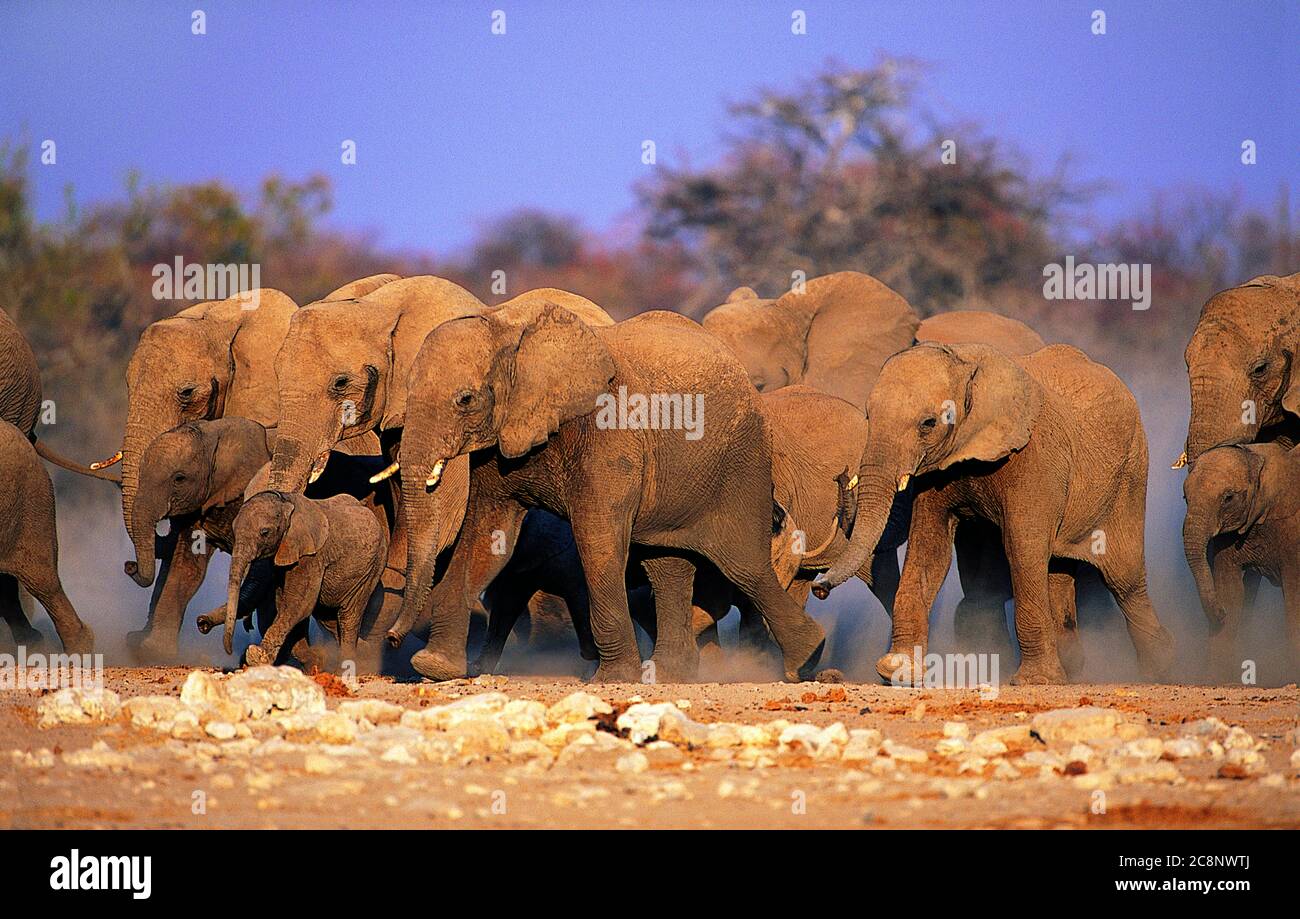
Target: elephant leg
{"points": [[77, 637], [295, 601], [603, 541], [1291, 598], [505, 603], [313, 658], [1029, 555], [1124, 571], [1061, 599], [1224, 656], [885, 576], [472, 567], [676, 657], [929, 556], [980, 620], [183, 576], [800, 637], [380, 616], [11, 609]]}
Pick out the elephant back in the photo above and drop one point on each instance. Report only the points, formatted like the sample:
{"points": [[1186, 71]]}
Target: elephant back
{"points": [[20, 378], [1010, 336], [361, 287], [579, 305]]}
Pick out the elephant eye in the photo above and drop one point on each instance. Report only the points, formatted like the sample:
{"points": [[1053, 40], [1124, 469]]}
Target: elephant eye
{"points": [[927, 424], [186, 392], [464, 399], [1259, 369], [340, 381], [178, 478], [266, 531]]}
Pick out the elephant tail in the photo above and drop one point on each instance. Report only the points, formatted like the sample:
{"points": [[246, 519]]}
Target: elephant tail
{"points": [[50, 455]]}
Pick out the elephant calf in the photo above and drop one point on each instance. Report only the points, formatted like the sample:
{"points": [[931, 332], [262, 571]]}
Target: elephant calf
{"points": [[1243, 516], [29, 549], [328, 558]]}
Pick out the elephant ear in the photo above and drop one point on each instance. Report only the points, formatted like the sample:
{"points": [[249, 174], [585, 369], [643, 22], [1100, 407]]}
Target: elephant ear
{"points": [[852, 325], [418, 306], [558, 366], [239, 451], [1002, 402], [261, 320], [309, 528], [1291, 389]]}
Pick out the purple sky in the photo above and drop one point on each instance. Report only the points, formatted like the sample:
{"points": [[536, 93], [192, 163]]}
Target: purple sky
{"points": [[455, 125]]}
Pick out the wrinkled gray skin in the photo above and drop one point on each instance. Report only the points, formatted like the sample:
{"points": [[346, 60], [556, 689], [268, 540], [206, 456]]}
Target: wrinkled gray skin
{"points": [[520, 387], [29, 551], [835, 336], [1243, 365], [1243, 516], [328, 557], [1049, 448]]}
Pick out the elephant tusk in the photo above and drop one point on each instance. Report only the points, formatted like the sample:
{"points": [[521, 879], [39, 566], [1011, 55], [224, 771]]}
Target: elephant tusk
{"points": [[853, 483], [1181, 461], [903, 480], [318, 468], [435, 474], [387, 473], [111, 461]]}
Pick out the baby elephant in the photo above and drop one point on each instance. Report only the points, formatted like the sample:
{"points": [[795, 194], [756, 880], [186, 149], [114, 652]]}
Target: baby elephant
{"points": [[1243, 516], [328, 556]]}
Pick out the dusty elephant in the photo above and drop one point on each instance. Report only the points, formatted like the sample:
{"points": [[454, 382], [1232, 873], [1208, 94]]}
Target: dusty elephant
{"points": [[517, 390], [328, 557], [1242, 367], [1048, 447], [20, 395], [195, 477], [1243, 515], [29, 549]]}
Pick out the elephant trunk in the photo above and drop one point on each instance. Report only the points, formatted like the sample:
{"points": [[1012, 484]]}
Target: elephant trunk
{"points": [[300, 440], [144, 522], [239, 565], [1199, 528], [1216, 419], [419, 508], [877, 488], [143, 424]]}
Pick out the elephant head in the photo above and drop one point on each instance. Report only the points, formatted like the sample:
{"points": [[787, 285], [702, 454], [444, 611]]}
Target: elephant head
{"points": [[190, 470], [287, 527], [834, 333], [1228, 490], [343, 367], [934, 406], [507, 379], [207, 361], [1241, 364]]}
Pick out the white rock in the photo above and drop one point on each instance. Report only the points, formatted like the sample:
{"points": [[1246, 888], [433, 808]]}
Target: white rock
{"points": [[631, 763], [578, 706], [902, 753], [987, 745], [221, 730], [273, 691], [1183, 748], [400, 755], [1067, 725], [1146, 749], [76, 705], [376, 711], [957, 729]]}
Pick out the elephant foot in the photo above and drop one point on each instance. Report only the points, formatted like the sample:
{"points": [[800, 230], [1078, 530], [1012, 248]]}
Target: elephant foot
{"points": [[676, 667], [82, 642], [312, 659], [1070, 649], [1041, 672], [1156, 658], [151, 647], [256, 656], [433, 665], [804, 653], [898, 668], [26, 636], [369, 656], [619, 672]]}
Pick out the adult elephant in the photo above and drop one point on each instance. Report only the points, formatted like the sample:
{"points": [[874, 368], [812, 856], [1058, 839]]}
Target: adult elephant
{"points": [[980, 327], [1050, 449], [1243, 364], [517, 391], [21, 395], [208, 361]]}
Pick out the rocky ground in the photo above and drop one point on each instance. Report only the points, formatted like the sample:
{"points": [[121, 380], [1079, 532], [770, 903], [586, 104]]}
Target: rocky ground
{"points": [[272, 747]]}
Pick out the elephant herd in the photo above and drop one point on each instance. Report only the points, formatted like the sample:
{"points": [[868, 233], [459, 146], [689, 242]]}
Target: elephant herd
{"points": [[398, 458]]}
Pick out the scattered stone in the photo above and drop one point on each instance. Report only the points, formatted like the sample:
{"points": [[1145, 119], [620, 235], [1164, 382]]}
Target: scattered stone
{"points": [[77, 705], [221, 730], [631, 763], [376, 711], [1067, 725], [956, 729], [578, 706]]}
